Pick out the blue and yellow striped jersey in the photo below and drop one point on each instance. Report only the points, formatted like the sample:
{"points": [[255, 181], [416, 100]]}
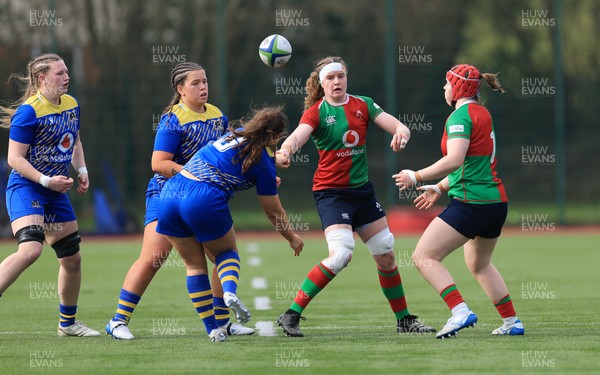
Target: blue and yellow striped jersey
{"points": [[49, 130], [218, 165], [182, 132]]}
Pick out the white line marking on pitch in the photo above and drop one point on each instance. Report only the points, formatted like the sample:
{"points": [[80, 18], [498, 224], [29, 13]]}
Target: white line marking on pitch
{"points": [[265, 329], [253, 248], [254, 261], [259, 283], [262, 303]]}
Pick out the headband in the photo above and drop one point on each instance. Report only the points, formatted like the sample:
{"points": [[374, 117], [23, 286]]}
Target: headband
{"points": [[331, 67], [467, 79]]}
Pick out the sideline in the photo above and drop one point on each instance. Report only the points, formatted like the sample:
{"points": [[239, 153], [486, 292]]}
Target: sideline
{"points": [[509, 231]]}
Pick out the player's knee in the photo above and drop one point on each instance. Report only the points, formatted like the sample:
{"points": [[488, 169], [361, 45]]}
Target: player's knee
{"points": [[30, 240], [30, 233], [68, 245], [381, 243], [341, 244], [418, 259]]}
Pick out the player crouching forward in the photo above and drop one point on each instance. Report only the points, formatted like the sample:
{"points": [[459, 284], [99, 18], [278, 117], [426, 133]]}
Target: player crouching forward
{"points": [[193, 209]]}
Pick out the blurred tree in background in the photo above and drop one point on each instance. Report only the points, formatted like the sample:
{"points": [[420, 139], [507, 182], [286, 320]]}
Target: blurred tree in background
{"points": [[120, 55]]}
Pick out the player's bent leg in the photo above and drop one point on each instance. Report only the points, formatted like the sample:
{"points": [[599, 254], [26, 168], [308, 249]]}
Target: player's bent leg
{"points": [[381, 247], [478, 254], [69, 279], [154, 252], [438, 240], [198, 283], [30, 239], [222, 312], [227, 262], [341, 244]]}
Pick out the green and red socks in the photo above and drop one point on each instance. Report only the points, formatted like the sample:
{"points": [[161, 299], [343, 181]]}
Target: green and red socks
{"points": [[316, 280], [506, 309], [454, 300], [391, 285]]}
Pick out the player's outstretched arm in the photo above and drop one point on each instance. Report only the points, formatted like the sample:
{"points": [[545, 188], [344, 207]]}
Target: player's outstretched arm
{"points": [[292, 144], [278, 217]]}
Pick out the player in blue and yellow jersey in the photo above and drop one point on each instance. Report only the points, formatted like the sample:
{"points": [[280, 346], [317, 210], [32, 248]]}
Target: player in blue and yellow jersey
{"points": [[478, 208], [236, 161], [43, 143], [188, 123]]}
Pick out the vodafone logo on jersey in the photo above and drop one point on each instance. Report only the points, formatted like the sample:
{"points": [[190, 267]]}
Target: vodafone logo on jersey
{"points": [[350, 138], [66, 142]]}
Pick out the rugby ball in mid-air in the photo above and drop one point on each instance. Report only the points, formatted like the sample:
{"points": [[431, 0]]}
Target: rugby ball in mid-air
{"points": [[275, 50]]}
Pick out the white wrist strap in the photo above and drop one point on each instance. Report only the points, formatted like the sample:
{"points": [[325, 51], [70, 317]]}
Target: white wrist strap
{"points": [[44, 180], [81, 170], [412, 176]]}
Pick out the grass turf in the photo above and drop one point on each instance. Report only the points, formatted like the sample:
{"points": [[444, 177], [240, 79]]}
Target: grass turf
{"points": [[553, 280]]}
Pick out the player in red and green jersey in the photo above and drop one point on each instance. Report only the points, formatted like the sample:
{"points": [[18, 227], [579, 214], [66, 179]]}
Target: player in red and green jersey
{"points": [[478, 207], [337, 123]]}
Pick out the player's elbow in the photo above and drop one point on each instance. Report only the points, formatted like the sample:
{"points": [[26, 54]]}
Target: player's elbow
{"points": [[157, 167], [13, 161]]}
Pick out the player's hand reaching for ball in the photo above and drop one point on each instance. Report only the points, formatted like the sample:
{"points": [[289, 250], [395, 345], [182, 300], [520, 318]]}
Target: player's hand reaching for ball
{"points": [[282, 159]]}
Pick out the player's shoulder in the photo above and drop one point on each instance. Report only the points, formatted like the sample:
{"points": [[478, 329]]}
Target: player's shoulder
{"points": [[212, 111], [460, 113], [68, 102], [359, 98]]}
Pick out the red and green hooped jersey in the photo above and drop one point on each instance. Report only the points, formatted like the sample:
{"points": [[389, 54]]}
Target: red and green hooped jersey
{"points": [[475, 181], [339, 132]]}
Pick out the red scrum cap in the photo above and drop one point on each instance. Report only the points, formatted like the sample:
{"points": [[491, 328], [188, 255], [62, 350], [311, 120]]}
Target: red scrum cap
{"points": [[465, 81]]}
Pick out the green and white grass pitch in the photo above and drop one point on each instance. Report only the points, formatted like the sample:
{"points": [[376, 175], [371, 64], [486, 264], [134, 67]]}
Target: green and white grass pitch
{"points": [[553, 281]]}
